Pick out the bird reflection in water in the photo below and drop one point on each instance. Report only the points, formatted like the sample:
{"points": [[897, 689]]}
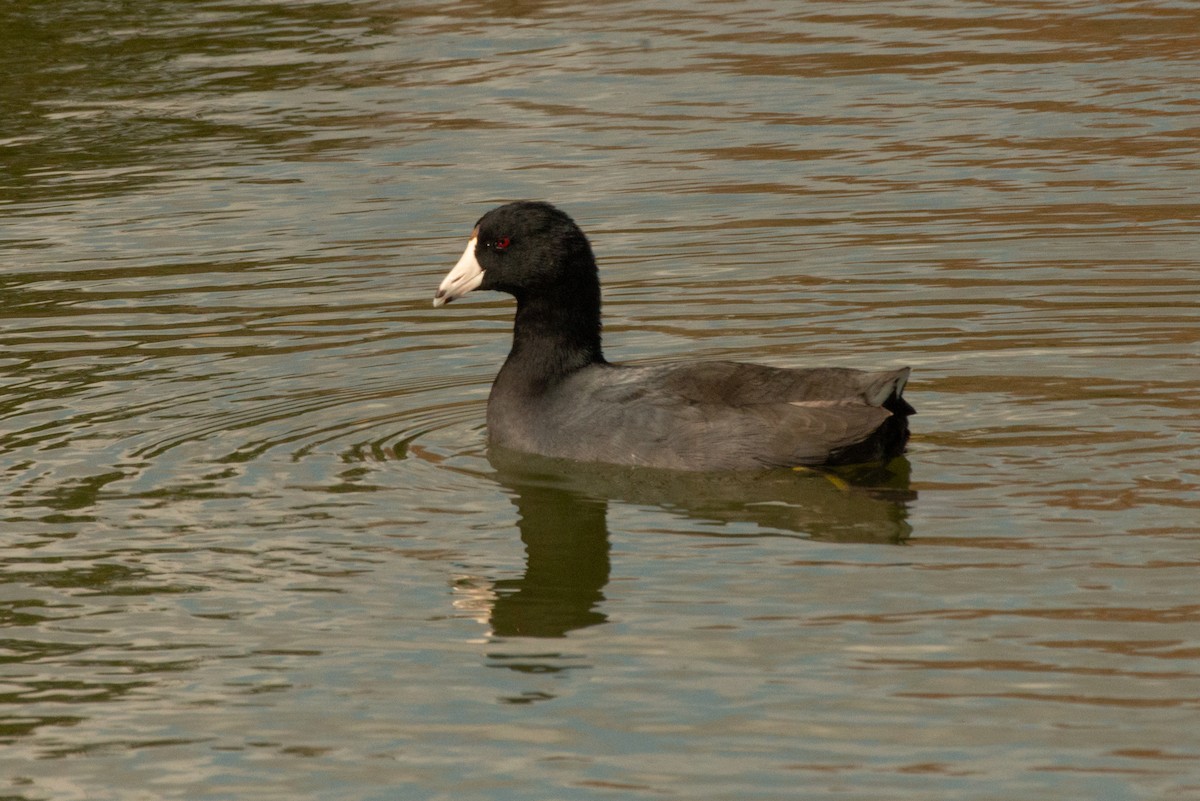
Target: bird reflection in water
{"points": [[562, 515]]}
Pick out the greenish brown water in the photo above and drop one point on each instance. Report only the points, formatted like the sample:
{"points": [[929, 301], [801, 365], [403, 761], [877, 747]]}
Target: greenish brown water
{"points": [[251, 542]]}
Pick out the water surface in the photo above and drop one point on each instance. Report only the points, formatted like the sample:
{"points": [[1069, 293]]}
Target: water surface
{"points": [[254, 547]]}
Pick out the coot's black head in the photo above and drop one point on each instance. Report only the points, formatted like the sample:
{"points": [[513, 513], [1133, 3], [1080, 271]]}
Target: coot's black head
{"points": [[527, 249]]}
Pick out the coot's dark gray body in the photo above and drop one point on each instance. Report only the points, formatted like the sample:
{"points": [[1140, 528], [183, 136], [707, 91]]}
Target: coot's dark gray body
{"points": [[557, 396]]}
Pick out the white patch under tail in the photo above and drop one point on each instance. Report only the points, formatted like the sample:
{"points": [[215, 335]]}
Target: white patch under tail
{"points": [[879, 394]]}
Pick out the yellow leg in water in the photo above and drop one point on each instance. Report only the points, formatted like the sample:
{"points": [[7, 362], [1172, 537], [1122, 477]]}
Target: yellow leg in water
{"points": [[841, 484]]}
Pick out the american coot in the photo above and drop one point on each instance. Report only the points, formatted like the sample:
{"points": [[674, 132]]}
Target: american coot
{"points": [[557, 396]]}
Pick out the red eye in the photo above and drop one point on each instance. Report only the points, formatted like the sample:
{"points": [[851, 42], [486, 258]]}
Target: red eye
{"points": [[502, 243]]}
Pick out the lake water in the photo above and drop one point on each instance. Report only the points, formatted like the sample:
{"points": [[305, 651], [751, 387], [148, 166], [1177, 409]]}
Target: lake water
{"points": [[252, 545]]}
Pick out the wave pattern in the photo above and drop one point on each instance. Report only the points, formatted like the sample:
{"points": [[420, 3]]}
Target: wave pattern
{"points": [[252, 543]]}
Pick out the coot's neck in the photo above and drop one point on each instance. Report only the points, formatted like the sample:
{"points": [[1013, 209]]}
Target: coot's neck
{"points": [[554, 335]]}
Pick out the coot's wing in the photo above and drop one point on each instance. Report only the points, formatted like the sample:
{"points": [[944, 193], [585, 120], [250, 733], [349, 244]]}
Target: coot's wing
{"points": [[724, 415]]}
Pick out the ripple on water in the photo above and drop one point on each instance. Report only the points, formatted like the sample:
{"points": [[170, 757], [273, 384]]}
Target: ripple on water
{"points": [[249, 528]]}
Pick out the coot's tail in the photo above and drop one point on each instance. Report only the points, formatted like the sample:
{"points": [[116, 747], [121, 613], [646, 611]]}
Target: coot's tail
{"points": [[889, 440]]}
